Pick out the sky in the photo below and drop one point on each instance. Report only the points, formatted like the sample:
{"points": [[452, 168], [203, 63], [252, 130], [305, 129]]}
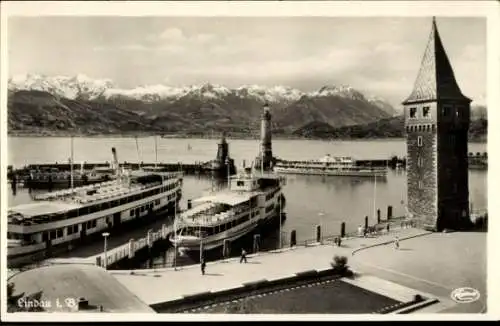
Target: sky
{"points": [[379, 56]]}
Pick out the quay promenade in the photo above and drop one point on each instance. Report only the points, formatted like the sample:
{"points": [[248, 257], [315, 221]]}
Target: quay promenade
{"points": [[120, 248], [426, 264], [374, 259]]}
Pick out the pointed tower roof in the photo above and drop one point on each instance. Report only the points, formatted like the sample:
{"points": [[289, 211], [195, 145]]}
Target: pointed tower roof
{"points": [[435, 79]]}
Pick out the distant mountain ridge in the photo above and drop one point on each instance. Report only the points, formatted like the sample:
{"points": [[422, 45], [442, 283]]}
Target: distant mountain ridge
{"points": [[80, 104], [83, 87]]}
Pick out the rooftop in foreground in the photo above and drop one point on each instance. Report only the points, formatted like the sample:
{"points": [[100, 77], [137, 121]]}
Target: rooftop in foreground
{"points": [[61, 285]]}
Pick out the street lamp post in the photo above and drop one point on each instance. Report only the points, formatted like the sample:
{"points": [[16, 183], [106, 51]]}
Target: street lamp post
{"points": [[201, 245], [228, 172], [105, 235]]}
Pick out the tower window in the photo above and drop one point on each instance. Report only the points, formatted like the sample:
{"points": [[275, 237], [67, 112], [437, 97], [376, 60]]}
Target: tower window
{"points": [[420, 161], [413, 112], [426, 112], [420, 141], [447, 111]]}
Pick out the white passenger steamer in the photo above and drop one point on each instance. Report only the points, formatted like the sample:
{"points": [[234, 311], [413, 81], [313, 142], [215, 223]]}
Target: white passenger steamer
{"points": [[330, 166], [250, 201], [63, 219]]}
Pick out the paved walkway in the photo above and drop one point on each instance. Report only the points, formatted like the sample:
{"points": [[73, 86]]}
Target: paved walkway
{"points": [[162, 285], [438, 263]]}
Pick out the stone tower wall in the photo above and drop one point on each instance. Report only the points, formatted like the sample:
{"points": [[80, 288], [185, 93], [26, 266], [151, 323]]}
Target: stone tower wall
{"points": [[422, 173]]}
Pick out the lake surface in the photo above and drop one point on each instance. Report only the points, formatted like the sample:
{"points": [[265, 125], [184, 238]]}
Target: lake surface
{"points": [[310, 199]]}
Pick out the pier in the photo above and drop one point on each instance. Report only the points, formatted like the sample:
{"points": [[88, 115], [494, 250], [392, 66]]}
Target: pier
{"points": [[478, 161], [129, 250]]}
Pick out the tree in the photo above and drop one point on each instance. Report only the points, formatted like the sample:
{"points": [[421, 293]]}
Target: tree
{"points": [[340, 267], [13, 300]]}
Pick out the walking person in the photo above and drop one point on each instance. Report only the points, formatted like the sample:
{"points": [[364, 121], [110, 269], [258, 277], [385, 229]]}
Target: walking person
{"points": [[396, 243], [243, 256], [203, 265]]}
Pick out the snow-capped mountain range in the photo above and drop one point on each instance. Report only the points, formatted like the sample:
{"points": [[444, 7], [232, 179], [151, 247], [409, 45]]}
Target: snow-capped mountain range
{"points": [[81, 86]]}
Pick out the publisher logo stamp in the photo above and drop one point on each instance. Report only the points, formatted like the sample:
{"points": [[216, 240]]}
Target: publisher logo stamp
{"points": [[465, 295]]}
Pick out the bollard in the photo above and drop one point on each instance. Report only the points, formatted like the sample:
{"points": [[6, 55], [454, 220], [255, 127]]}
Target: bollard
{"points": [[189, 204], [389, 212], [378, 216], [318, 233], [149, 239], [163, 231], [366, 222], [226, 248], [293, 238], [131, 248], [342, 230], [256, 242]]}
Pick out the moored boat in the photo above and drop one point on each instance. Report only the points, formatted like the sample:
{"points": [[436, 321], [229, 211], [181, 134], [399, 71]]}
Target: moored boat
{"points": [[250, 201], [330, 166], [53, 177], [64, 219]]}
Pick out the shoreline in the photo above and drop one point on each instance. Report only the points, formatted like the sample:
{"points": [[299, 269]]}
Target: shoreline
{"points": [[228, 136]]}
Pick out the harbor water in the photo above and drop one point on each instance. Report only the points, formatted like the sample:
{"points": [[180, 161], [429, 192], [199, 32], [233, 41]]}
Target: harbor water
{"points": [[310, 200]]}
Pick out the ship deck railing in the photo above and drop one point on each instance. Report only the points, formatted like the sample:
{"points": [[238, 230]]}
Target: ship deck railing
{"points": [[112, 189]]}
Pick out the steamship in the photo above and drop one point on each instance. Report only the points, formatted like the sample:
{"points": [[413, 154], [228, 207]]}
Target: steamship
{"points": [[250, 201], [329, 166], [61, 220], [53, 177]]}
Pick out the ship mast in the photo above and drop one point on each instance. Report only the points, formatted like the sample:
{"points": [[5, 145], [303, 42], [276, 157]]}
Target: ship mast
{"points": [[175, 230], [156, 152], [71, 164], [138, 154], [375, 196]]}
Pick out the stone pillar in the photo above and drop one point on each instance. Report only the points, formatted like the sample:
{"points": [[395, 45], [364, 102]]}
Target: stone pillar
{"points": [[131, 248], [389, 212], [163, 231], [342, 230], [378, 216], [256, 243], [318, 233], [226, 248], [149, 239], [293, 238]]}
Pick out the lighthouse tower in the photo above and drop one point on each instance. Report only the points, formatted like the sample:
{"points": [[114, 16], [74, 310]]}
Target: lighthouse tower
{"points": [[265, 159], [437, 118], [222, 150]]}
